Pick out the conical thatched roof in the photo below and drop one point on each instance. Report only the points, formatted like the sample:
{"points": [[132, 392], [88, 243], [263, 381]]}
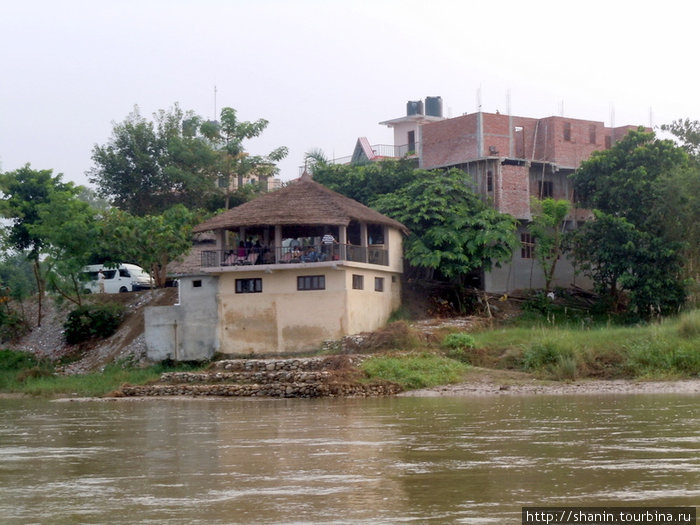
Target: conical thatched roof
{"points": [[303, 202]]}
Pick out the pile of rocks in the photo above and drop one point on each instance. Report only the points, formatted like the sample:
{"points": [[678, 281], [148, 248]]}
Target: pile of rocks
{"points": [[303, 377]]}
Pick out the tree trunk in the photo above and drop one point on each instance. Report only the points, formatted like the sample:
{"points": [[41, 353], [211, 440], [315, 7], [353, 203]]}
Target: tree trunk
{"points": [[40, 289]]}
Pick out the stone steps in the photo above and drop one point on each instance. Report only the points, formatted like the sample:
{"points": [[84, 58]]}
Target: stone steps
{"points": [[330, 376]]}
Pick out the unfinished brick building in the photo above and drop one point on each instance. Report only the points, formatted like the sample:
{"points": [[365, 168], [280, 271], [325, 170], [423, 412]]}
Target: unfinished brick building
{"points": [[510, 160]]}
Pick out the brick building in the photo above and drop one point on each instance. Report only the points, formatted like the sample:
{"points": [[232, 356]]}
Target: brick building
{"points": [[510, 160]]}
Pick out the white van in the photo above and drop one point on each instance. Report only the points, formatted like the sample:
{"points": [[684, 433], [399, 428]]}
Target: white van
{"points": [[126, 278]]}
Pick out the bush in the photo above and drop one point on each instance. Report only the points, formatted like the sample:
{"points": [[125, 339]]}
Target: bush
{"points": [[458, 341], [93, 321], [16, 360], [12, 325]]}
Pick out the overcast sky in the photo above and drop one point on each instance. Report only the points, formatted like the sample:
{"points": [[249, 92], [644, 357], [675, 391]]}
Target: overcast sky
{"points": [[326, 72]]}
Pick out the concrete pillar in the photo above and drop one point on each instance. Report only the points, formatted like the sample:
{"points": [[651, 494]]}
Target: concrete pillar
{"points": [[363, 240], [278, 242]]}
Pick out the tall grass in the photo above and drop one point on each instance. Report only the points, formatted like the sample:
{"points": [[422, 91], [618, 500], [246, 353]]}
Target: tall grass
{"points": [[24, 374], [667, 349]]}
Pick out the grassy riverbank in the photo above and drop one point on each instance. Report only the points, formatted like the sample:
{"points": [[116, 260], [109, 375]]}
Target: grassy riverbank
{"points": [[21, 373], [666, 350]]}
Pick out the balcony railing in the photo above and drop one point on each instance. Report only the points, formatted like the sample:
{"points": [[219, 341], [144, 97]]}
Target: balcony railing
{"points": [[375, 254], [383, 151]]}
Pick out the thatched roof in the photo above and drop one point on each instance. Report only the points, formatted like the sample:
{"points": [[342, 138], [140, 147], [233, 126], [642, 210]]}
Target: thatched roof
{"points": [[303, 202]]}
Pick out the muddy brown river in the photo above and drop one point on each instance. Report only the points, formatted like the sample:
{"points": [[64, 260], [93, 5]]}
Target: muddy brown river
{"points": [[474, 460]]}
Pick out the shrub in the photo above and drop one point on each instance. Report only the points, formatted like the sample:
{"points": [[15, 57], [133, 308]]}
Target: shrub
{"points": [[93, 321], [16, 360], [414, 370], [458, 341], [13, 325]]}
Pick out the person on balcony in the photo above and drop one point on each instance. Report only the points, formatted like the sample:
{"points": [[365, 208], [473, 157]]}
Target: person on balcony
{"points": [[328, 243]]}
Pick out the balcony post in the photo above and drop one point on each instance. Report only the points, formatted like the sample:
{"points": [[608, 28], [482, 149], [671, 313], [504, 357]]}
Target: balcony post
{"points": [[363, 241]]}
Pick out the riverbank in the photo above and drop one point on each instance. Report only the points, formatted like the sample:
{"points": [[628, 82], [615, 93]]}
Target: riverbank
{"points": [[486, 382]]}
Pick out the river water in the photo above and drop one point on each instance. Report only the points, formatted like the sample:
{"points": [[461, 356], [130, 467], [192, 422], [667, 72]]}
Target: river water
{"points": [[388, 460]]}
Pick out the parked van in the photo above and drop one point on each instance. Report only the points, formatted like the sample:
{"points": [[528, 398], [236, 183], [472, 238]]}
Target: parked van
{"points": [[126, 278]]}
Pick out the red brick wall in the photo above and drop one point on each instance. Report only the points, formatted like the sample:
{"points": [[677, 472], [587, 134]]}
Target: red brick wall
{"points": [[451, 141], [512, 191]]}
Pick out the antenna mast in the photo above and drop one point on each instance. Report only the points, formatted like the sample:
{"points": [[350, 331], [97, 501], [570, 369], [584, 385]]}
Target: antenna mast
{"points": [[214, 102]]}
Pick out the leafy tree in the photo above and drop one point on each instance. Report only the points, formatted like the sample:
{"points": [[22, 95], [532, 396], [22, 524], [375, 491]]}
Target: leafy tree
{"points": [[547, 228], [688, 133], [617, 256], [233, 162], [452, 230], [128, 169], [148, 166], [635, 243], [365, 182], [69, 229], [628, 179], [151, 241], [28, 194]]}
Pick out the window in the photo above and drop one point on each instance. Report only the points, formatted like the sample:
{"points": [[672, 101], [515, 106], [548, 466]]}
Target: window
{"points": [[379, 284], [567, 131], [197, 284], [411, 141], [608, 142], [123, 272], [545, 188], [358, 282], [248, 285], [489, 180], [591, 133], [311, 282], [527, 246]]}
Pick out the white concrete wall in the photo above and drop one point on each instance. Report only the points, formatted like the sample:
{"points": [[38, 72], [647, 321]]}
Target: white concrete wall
{"points": [[185, 332]]}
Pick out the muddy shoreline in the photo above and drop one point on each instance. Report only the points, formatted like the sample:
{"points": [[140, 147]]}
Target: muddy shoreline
{"points": [[485, 382]]}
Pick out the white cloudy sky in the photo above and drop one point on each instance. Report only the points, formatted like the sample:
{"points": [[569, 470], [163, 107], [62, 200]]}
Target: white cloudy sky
{"points": [[325, 72]]}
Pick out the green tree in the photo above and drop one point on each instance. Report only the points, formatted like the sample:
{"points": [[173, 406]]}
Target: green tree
{"points": [[365, 182], [29, 197], [233, 161], [631, 185], [452, 230], [617, 256], [151, 241], [69, 229], [547, 229]]}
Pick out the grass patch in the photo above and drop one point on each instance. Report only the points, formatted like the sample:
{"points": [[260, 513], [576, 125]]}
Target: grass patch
{"points": [[21, 373], [667, 349], [421, 370]]}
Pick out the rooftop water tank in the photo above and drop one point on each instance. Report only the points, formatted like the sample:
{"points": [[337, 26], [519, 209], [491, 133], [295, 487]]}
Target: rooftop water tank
{"points": [[433, 106], [414, 107]]}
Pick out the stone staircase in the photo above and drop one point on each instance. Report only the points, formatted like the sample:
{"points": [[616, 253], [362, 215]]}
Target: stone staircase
{"points": [[330, 376]]}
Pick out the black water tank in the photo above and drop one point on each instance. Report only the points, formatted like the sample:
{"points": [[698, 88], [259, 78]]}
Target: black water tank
{"points": [[414, 107], [433, 106]]}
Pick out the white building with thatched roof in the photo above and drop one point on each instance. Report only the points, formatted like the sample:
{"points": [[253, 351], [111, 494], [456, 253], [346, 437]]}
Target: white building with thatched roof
{"points": [[289, 270]]}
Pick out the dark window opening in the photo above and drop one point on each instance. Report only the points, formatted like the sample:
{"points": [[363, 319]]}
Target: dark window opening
{"points": [[196, 284], [311, 282], [411, 141], [379, 284], [527, 246], [567, 131], [545, 188], [358, 282], [248, 285], [591, 134], [489, 180]]}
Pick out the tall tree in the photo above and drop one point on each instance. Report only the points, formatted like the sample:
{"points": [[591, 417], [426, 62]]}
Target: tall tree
{"points": [[151, 241], [27, 195], [365, 182], [233, 161], [547, 229], [452, 230], [627, 185]]}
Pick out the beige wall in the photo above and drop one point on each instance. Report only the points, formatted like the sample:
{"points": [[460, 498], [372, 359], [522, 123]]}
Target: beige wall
{"points": [[283, 319]]}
